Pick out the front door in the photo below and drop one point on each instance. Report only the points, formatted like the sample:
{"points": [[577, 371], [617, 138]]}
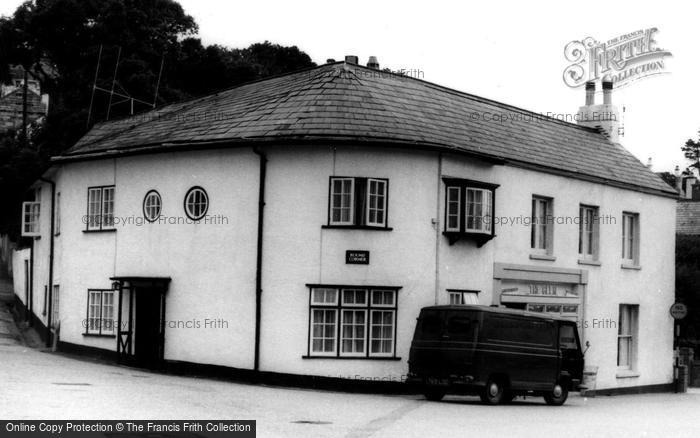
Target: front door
{"points": [[149, 312]]}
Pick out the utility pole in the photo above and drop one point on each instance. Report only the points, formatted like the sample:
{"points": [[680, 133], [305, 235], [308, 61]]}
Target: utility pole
{"points": [[25, 140]]}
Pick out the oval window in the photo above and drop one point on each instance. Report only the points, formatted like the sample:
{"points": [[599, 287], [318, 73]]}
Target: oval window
{"points": [[151, 206], [196, 203]]}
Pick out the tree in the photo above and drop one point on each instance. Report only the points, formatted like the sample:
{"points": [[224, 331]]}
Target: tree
{"points": [[691, 150], [60, 41]]}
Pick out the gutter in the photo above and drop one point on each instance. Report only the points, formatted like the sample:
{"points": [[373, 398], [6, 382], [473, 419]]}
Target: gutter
{"points": [[258, 261], [51, 251]]}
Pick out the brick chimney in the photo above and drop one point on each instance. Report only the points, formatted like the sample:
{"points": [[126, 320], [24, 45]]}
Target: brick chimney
{"points": [[352, 59], [604, 116]]}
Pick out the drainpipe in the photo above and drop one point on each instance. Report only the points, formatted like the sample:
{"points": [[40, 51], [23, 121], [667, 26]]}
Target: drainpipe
{"points": [[30, 298], [437, 231], [51, 244], [258, 262]]}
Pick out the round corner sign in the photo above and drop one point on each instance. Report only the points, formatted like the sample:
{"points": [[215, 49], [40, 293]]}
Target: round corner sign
{"points": [[678, 310]]}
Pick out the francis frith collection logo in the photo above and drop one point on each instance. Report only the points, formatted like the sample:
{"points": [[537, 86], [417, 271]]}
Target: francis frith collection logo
{"points": [[626, 58]]}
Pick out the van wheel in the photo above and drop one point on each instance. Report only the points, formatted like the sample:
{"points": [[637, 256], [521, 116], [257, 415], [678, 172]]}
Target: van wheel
{"points": [[493, 393], [434, 394], [557, 396]]}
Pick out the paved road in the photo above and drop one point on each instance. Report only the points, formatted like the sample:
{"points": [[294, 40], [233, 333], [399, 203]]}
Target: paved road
{"points": [[42, 385]]}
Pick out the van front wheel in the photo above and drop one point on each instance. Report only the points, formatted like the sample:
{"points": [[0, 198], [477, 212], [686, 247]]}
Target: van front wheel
{"points": [[434, 394], [557, 396], [493, 392]]}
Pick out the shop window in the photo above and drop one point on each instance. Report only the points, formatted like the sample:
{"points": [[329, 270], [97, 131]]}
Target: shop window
{"points": [[352, 322], [358, 202]]}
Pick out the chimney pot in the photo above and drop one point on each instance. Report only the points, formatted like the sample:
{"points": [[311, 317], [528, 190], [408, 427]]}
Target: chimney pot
{"points": [[352, 59], [607, 90], [373, 63], [590, 93], [649, 163]]}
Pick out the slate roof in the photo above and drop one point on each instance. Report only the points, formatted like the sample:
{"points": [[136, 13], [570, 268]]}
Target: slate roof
{"points": [[342, 102], [688, 217]]}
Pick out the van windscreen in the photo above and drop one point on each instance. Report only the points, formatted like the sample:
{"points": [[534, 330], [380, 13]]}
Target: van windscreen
{"points": [[567, 337]]}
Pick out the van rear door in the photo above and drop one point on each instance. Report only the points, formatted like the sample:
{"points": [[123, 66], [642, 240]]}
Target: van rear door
{"points": [[570, 350], [426, 356]]}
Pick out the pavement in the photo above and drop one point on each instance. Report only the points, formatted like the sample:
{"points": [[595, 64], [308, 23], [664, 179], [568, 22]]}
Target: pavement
{"points": [[38, 384]]}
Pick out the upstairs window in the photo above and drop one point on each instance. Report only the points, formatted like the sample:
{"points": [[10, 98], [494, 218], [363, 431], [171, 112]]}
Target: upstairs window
{"points": [[358, 202], [196, 203], [630, 238], [30, 219], [469, 209], [151, 206], [588, 232], [541, 231], [100, 212]]}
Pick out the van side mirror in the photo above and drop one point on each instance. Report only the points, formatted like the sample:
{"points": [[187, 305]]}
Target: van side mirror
{"points": [[588, 345]]}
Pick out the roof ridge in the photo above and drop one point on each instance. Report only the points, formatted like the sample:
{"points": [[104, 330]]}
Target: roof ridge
{"points": [[481, 99]]}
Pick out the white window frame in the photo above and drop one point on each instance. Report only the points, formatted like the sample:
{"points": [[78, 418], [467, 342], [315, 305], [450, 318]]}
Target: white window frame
{"points": [[484, 217], [541, 231], [31, 216], [630, 238], [459, 297], [97, 320], [380, 339], [334, 299], [350, 207], [450, 203], [100, 208], [379, 196], [196, 197], [353, 324], [152, 206], [588, 232], [628, 330]]}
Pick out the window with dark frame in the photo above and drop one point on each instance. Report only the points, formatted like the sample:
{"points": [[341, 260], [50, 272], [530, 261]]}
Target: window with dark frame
{"points": [[352, 321], [358, 202], [100, 208], [100, 312], [152, 205], [196, 203], [469, 209]]}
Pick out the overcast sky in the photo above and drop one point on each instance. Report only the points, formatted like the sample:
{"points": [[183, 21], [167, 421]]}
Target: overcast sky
{"points": [[512, 52]]}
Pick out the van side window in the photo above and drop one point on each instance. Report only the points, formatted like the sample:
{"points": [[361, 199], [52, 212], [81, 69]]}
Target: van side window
{"points": [[461, 328], [430, 325], [521, 331], [567, 337]]}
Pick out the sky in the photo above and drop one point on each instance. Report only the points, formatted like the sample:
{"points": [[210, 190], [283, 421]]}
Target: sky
{"points": [[512, 52]]}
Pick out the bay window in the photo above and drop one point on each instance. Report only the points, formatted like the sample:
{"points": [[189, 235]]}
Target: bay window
{"points": [[469, 210]]}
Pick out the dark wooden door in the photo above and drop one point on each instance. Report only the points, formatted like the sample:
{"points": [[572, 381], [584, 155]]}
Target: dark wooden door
{"points": [[148, 351]]}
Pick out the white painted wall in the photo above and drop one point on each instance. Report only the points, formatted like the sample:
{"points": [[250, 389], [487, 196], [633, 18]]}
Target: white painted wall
{"points": [[213, 266]]}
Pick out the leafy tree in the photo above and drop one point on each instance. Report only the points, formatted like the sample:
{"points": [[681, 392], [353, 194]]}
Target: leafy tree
{"points": [[691, 150], [60, 40]]}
